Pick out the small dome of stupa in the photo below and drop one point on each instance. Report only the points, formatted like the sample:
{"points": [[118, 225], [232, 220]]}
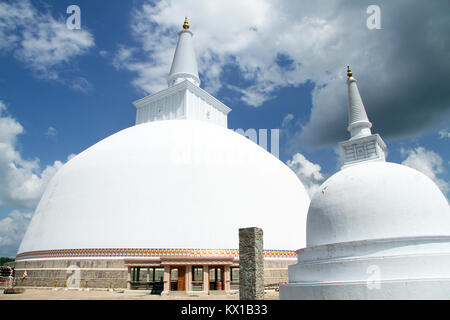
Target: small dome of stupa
{"points": [[375, 200]]}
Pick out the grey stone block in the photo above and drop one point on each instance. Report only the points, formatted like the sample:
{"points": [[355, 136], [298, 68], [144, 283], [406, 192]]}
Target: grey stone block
{"points": [[251, 264]]}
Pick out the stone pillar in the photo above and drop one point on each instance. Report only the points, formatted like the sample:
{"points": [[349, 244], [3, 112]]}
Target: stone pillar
{"points": [[251, 264], [148, 274], [166, 280], [206, 278], [227, 280], [188, 278], [129, 279]]}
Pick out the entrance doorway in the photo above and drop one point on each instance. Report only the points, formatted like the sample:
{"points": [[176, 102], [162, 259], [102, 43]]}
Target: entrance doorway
{"points": [[177, 279], [216, 278]]}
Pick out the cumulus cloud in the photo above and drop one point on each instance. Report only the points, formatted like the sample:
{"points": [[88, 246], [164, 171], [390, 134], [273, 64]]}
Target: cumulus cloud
{"points": [[2, 107], [287, 125], [308, 172], [12, 230], [316, 40], [429, 163], [287, 120], [22, 181], [44, 44], [13, 227], [70, 156], [444, 134], [391, 61]]}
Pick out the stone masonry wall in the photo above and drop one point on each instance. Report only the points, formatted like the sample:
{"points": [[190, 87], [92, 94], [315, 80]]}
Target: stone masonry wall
{"points": [[276, 271], [99, 273]]}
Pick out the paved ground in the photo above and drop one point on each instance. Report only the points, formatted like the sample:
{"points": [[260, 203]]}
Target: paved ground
{"points": [[93, 294]]}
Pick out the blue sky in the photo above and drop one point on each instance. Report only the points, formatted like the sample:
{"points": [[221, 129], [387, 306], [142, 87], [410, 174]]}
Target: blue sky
{"points": [[277, 64]]}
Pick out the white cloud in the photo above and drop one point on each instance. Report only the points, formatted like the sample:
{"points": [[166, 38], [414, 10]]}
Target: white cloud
{"points": [[287, 125], [40, 41], [223, 31], [80, 84], [51, 132], [2, 108], [308, 172], [429, 163], [250, 35], [287, 120], [251, 96], [339, 151], [12, 15], [319, 39], [22, 181], [13, 227], [444, 134]]}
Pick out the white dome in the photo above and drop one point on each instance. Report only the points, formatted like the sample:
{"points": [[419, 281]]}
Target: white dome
{"points": [[375, 200], [170, 184]]}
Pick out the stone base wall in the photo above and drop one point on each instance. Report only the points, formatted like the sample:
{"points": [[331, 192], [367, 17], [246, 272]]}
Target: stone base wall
{"points": [[99, 273], [276, 271]]}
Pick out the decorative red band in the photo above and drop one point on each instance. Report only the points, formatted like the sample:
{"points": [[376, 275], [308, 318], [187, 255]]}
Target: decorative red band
{"points": [[144, 252]]}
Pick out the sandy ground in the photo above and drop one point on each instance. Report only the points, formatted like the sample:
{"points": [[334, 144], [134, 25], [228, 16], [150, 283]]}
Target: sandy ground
{"points": [[97, 294]]}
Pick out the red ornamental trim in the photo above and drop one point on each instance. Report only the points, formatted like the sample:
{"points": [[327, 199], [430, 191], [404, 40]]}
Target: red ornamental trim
{"points": [[141, 252]]}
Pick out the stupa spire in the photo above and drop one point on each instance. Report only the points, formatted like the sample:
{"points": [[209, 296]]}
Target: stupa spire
{"points": [[184, 64], [362, 145], [183, 99], [358, 122], [186, 23]]}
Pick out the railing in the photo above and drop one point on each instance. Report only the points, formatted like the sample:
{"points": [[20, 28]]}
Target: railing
{"points": [[197, 285], [140, 285], [156, 286], [7, 282], [7, 279], [273, 286]]}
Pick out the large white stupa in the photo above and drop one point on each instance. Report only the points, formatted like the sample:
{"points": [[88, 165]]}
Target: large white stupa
{"points": [[173, 189], [375, 230]]}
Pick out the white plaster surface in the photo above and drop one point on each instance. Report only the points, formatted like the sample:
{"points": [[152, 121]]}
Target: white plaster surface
{"points": [[427, 289], [170, 184], [375, 230], [181, 101], [184, 64], [358, 122], [400, 268], [374, 200]]}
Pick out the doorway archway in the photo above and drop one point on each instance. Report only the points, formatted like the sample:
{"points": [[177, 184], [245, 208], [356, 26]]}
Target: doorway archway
{"points": [[177, 279], [216, 278]]}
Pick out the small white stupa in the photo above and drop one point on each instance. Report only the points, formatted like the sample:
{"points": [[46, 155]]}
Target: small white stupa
{"points": [[375, 230]]}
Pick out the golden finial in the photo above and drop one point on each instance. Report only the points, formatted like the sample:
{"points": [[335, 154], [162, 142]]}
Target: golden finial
{"points": [[186, 24], [349, 73]]}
